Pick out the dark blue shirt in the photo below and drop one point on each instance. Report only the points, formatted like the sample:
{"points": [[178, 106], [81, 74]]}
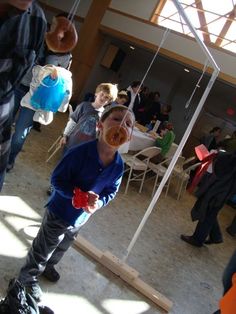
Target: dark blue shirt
{"points": [[81, 167]]}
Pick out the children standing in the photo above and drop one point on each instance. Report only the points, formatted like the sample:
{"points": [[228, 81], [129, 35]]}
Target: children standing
{"points": [[81, 126], [96, 168]]}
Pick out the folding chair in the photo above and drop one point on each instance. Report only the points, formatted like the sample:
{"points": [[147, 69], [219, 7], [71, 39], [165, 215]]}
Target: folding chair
{"points": [[134, 162], [160, 170], [183, 176]]}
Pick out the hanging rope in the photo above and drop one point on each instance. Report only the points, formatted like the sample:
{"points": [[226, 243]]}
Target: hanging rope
{"points": [[166, 33], [73, 10], [197, 85], [118, 134]]}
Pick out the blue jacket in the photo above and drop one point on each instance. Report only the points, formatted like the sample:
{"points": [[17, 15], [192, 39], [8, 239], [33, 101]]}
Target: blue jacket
{"points": [[81, 167]]}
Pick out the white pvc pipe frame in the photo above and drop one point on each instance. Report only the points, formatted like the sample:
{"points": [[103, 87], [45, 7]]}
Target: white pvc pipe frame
{"points": [[187, 132]]}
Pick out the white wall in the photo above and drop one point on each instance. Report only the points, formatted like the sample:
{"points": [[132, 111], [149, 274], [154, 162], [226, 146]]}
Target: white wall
{"points": [[139, 8]]}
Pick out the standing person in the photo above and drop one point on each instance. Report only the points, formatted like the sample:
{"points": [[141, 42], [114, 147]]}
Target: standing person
{"points": [[210, 140], [25, 120], [212, 195], [134, 97], [28, 113], [96, 168], [229, 144], [81, 126], [18, 51]]}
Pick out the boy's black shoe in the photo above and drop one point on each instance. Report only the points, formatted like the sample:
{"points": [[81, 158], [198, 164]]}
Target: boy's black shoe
{"points": [[51, 274], [35, 291], [190, 240]]}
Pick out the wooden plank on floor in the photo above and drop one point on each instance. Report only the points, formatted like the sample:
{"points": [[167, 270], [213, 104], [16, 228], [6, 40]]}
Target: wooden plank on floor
{"points": [[124, 271]]}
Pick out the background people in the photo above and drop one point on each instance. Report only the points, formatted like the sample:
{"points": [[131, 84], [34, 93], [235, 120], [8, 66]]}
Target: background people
{"points": [[212, 195]]}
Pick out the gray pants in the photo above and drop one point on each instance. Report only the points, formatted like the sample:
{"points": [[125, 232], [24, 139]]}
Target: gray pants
{"points": [[54, 238]]}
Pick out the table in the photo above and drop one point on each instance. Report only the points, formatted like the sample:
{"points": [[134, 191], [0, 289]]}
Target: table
{"points": [[139, 141]]}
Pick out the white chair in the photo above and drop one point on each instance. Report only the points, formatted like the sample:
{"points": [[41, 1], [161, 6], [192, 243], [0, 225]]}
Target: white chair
{"points": [[182, 176], [160, 170], [136, 163]]}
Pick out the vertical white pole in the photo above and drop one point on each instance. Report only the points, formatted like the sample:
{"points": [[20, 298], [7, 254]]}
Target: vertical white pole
{"points": [[186, 134]]}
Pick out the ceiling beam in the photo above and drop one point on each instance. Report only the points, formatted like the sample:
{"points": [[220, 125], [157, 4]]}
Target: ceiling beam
{"points": [[226, 27], [157, 11], [202, 20]]}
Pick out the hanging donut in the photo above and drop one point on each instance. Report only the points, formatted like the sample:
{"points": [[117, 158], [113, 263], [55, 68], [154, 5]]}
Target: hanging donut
{"points": [[116, 136], [62, 36]]}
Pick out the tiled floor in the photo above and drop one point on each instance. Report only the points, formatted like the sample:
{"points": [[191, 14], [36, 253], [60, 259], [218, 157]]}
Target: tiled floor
{"points": [[190, 277]]}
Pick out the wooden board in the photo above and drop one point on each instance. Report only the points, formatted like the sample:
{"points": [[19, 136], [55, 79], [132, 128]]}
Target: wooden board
{"points": [[124, 271]]}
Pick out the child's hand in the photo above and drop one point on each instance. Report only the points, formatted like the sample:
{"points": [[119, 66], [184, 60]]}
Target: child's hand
{"points": [[92, 202], [63, 141], [54, 74]]}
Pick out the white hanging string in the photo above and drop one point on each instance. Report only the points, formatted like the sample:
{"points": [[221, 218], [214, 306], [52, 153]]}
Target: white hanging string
{"points": [[166, 33], [73, 10], [197, 85]]}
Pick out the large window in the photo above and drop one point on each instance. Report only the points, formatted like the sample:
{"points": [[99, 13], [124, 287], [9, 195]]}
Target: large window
{"points": [[214, 20]]}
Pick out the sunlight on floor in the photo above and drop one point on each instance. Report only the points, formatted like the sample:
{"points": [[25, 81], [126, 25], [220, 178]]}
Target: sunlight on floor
{"points": [[125, 306], [17, 206], [60, 304], [19, 223]]}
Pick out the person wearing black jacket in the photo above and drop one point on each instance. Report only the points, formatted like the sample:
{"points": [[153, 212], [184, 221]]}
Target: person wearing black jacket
{"points": [[212, 195], [22, 30]]}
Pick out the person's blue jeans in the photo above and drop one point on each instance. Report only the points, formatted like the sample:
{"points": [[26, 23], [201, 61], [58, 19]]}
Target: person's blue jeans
{"points": [[23, 126], [19, 93]]}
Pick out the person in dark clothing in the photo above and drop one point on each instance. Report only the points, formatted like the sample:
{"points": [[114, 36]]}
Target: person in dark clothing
{"points": [[212, 195], [210, 140], [134, 97], [152, 108], [18, 51], [229, 144]]}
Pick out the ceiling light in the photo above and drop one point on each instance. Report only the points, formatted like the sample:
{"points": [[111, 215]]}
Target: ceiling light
{"points": [[186, 70], [131, 47]]}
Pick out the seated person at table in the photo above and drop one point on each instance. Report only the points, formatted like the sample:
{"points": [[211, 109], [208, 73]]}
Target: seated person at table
{"points": [[165, 141]]}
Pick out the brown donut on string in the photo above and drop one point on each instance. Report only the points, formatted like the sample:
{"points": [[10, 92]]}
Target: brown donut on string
{"points": [[116, 136], [62, 36]]}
